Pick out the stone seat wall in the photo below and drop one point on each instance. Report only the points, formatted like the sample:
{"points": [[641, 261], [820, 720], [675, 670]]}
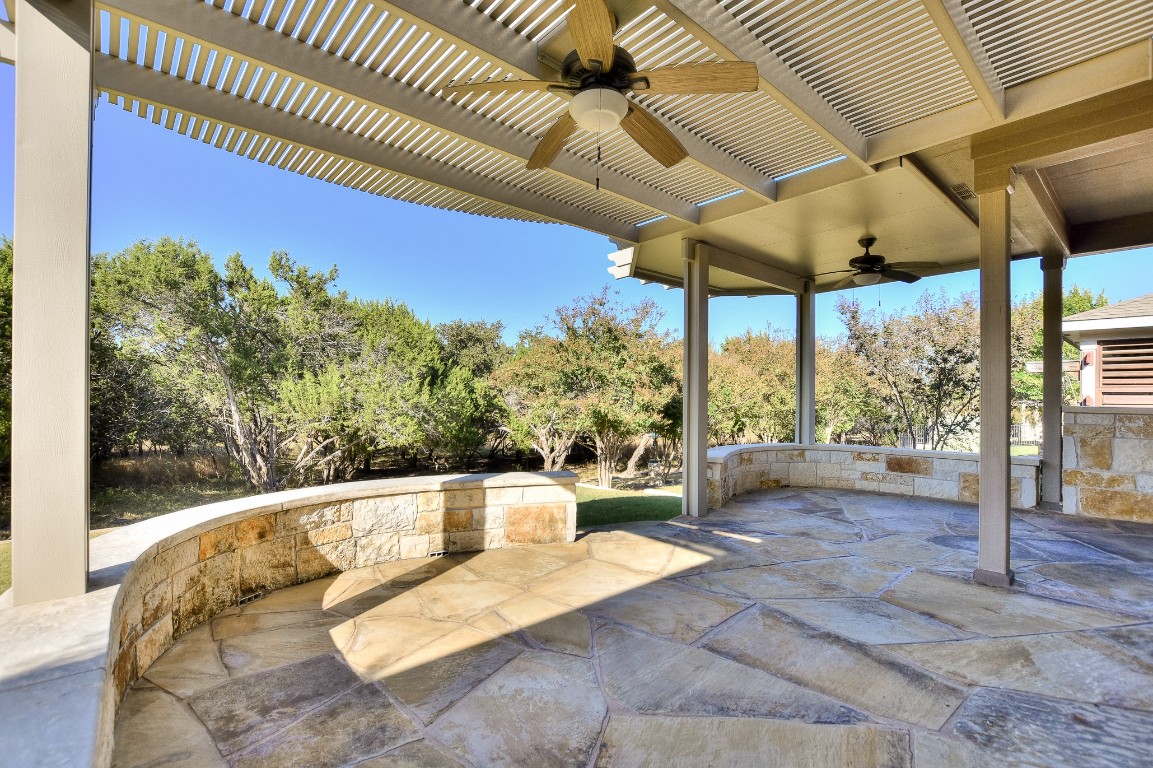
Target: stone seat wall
{"points": [[1108, 463], [949, 475], [65, 664]]}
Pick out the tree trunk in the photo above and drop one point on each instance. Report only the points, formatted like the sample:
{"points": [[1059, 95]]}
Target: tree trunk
{"points": [[643, 446]]}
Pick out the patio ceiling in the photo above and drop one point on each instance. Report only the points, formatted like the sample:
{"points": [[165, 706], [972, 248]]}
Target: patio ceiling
{"points": [[863, 122]]}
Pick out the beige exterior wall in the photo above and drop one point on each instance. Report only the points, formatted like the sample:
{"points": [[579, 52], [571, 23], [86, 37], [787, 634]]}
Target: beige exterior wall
{"points": [[934, 474], [1108, 463]]}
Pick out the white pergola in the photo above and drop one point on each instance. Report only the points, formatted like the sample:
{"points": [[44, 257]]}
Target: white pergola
{"points": [[915, 121]]}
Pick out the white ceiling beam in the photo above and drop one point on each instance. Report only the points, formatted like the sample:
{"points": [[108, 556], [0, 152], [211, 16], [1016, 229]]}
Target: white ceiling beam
{"points": [[7, 43], [1038, 214], [1099, 75], [720, 31], [738, 264], [460, 20], [1121, 234], [273, 50], [191, 98], [958, 33]]}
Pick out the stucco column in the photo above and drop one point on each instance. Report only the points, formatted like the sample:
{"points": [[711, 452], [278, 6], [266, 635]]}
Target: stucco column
{"points": [[54, 98], [695, 436], [1053, 307], [993, 554], [806, 367]]}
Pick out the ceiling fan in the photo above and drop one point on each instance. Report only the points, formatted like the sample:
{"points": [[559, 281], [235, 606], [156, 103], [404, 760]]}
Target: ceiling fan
{"points": [[598, 74], [871, 268]]}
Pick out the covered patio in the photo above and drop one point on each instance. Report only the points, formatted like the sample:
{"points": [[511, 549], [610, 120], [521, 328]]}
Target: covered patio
{"points": [[791, 627], [962, 133]]}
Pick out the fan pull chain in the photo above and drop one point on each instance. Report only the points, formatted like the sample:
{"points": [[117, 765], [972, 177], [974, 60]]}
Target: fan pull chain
{"points": [[598, 162]]}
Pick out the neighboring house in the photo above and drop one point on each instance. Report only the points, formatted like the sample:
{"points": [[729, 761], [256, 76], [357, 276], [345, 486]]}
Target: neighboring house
{"points": [[1116, 343]]}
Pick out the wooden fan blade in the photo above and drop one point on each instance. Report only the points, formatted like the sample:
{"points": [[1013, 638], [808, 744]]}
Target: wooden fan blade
{"points": [[653, 137], [551, 143], [499, 86], [904, 277], [711, 77], [592, 24], [915, 265]]}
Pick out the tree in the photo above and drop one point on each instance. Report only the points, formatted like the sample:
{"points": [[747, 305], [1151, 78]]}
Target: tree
{"points": [[927, 364], [241, 344], [540, 412], [767, 363], [612, 359], [846, 398], [1028, 343]]}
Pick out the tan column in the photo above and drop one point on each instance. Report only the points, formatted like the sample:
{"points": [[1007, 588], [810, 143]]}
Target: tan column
{"points": [[1053, 306], [806, 367], [50, 299], [993, 554], [695, 435]]}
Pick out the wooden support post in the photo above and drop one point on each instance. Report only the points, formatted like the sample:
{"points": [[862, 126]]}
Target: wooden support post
{"points": [[1053, 310], [993, 553], [54, 98], [806, 366], [695, 440]]}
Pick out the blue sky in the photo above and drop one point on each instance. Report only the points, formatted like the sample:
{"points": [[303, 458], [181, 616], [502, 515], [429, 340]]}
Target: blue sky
{"points": [[149, 182]]}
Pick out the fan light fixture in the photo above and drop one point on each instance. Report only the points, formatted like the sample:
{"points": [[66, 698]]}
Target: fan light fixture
{"points": [[867, 278], [598, 109]]}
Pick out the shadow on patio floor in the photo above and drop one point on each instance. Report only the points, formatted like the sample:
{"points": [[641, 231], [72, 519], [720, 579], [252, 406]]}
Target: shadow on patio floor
{"points": [[792, 627]]}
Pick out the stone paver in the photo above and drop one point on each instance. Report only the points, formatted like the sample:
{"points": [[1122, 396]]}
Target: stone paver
{"points": [[792, 628]]}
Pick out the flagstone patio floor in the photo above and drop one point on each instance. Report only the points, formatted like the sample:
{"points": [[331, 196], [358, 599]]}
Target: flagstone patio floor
{"points": [[791, 627]]}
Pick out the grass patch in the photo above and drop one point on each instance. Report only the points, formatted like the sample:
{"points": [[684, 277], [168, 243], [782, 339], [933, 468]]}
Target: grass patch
{"points": [[606, 507], [6, 560], [120, 506], [1024, 450], [5, 565]]}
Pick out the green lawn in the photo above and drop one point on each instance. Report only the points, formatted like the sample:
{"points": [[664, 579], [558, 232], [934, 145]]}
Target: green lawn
{"points": [[1023, 450], [598, 507], [113, 507], [6, 560], [121, 506], [5, 565]]}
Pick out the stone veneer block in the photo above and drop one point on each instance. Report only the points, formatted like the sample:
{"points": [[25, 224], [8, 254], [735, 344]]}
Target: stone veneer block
{"points": [[217, 541], [313, 517], [255, 530], [325, 559], [376, 548], [203, 590], [429, 501], [1115, 504], [1134, 425], [385, 513], [1131, 455], [536, 524], [457, 499], [267, 566], [909, 465]]}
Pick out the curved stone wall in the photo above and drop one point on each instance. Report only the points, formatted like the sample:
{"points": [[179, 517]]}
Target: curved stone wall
{"points": [[66, 664], [950, 475]]}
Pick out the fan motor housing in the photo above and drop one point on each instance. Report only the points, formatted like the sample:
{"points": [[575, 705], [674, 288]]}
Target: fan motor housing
{"points": [[578, 75], [870, 263]]}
